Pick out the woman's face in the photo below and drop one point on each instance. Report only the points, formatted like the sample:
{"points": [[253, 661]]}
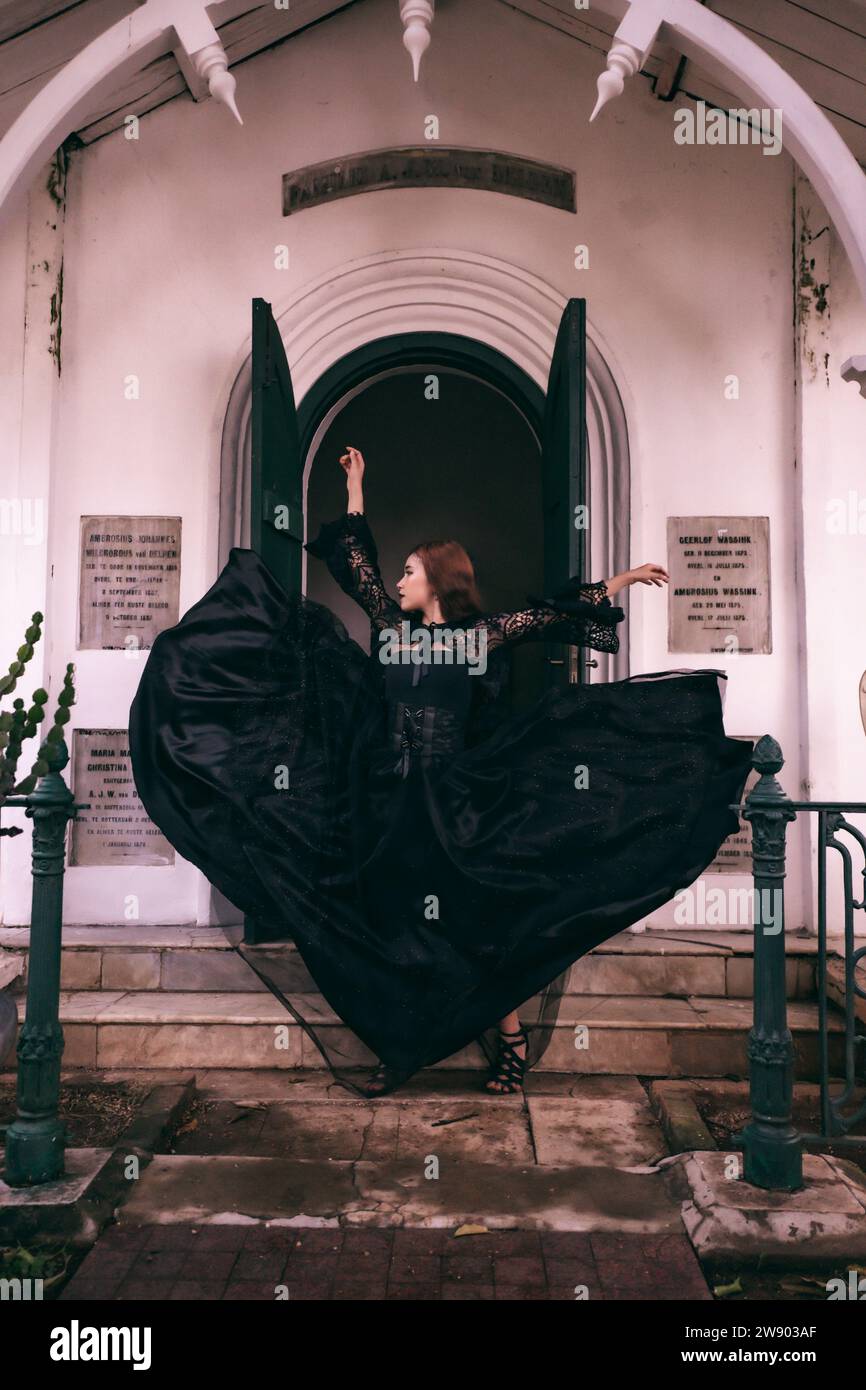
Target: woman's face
{"points": [[413, 587]]}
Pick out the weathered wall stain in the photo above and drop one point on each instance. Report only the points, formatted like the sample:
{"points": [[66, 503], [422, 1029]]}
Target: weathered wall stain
{"points": [[56, 187], [811, 298]]}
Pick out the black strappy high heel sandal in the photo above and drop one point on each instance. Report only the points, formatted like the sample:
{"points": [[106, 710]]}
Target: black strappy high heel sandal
{"points": [[378, 1081], [509, 1066]]}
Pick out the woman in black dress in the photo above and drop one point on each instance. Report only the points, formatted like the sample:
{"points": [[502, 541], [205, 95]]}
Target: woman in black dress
{"points": [[436, 860]]}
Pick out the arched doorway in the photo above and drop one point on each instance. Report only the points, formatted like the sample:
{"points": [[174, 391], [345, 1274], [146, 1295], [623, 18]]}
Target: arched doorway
{"points": [[469, 313], [451, 433]]}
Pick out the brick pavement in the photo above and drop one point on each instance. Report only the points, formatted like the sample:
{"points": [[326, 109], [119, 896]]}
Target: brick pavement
{"points": [[253, 1262]]}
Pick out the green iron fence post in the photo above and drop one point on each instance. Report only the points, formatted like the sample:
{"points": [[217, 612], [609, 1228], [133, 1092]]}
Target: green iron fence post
{"points": [[772, 1147], [36, 1138]]}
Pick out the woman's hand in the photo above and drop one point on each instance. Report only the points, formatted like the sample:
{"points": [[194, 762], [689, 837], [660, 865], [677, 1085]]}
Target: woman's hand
{"points": [[644, 574], [649, 574], [353, 466], [352, 462]]}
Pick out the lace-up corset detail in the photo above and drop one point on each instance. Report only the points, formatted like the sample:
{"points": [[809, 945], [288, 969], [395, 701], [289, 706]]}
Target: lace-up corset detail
{"points": [[421, 733]]}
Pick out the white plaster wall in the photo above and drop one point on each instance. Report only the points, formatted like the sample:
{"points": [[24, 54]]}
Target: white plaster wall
{"points": [[836, 576], [14, 611], [840, 764], [31, 257], [169, 237]]}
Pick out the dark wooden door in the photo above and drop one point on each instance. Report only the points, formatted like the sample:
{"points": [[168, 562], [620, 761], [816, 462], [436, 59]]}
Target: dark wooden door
{"points": [[564, 476], [276, 485]]}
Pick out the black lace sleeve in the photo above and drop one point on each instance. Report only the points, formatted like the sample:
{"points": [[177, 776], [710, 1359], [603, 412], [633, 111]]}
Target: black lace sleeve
{"points": [[349, 550], [579, 614]]}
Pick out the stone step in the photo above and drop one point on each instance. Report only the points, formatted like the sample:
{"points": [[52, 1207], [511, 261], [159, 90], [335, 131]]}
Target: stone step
{"points": [[12, 966], [836, 986], [594, 1034], [189, 959]]}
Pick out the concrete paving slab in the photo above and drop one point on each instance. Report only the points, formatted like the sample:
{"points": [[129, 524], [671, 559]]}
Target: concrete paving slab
{"points": [[328, 1130], [419, 1192], [465, 1131], [585, 1129], [565, 1083]]}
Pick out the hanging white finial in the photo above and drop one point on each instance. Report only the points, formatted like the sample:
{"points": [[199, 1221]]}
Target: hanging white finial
{"points": [[417, 16], [623, 61], [212, 65]]}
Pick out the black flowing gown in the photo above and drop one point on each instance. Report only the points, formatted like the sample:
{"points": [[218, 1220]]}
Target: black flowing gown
{"points": [[437, 860]]}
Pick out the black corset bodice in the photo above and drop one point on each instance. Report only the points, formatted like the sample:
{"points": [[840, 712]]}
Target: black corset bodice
{"points": [[428, 706]]}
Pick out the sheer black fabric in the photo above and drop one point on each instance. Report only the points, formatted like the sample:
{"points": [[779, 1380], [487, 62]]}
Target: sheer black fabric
{"points": [[436, 861]]}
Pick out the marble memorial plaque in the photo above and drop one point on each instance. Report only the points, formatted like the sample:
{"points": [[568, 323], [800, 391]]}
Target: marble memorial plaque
{"points": [[116, 829], [129, 585], [735, 853], [719, 588]]}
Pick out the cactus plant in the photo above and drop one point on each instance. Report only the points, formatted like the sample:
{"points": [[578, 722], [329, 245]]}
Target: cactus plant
{"points": [[19, 723]]}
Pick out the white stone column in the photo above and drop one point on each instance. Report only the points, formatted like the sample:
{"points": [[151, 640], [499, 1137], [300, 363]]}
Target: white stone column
{"points": [[29, 461], [811, 464]]}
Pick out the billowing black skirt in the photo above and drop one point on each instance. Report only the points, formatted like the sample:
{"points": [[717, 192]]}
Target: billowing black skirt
{"points": [[429, 902]]}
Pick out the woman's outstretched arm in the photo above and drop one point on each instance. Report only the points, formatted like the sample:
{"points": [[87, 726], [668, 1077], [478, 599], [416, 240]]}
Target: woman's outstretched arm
{"points": [[578, 614], [585, 622], [644, 574]]}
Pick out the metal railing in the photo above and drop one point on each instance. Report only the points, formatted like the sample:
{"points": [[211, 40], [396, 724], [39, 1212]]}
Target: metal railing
{"points": [[772, 1147], [35, 1141]]}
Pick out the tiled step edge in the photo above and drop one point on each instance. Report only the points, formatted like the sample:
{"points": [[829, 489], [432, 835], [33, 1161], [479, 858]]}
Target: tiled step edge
{"points": [[203, 959], [593, 1034]]}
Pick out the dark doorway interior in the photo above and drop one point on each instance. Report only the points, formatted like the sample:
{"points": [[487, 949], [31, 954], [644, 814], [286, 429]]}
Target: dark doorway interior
{"points": [[464, 464]]}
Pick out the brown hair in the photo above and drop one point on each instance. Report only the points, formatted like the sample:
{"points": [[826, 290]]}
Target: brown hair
{"points": [[451, 576]]}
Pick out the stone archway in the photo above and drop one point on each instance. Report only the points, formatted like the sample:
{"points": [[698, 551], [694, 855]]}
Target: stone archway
{"points": [[455, 292]]}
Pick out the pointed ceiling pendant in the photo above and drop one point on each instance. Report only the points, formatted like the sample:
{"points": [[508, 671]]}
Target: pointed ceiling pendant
{"points": [[623, 61], [212, 65], [417, 16]]}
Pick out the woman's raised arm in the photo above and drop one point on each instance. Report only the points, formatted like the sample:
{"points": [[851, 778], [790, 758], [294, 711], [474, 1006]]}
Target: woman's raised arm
{"points": [[353, 464], [349, 550]]}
